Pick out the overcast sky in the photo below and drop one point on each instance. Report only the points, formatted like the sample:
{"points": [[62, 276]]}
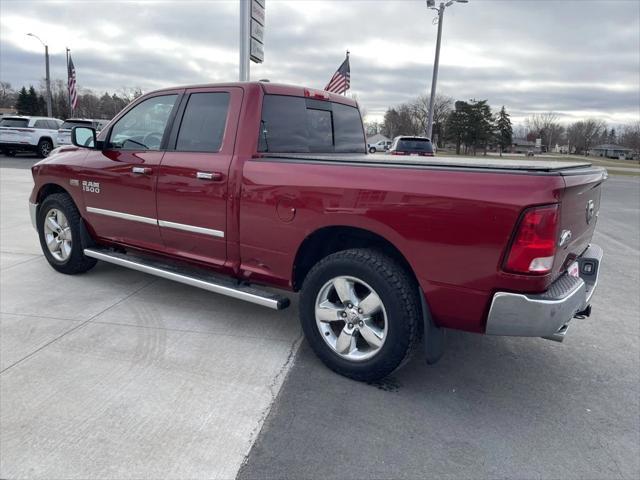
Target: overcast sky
{"points": [[579, 58]]}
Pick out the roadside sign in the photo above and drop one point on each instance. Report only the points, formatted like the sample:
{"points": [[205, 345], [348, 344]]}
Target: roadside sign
{"points": [[257, 12], [256, 33], [257, 51]]}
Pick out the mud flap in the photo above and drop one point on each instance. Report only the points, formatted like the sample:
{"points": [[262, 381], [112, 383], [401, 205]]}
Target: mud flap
{"points": [[434, 336]]}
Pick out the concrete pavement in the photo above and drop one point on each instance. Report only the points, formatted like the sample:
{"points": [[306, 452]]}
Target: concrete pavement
{"points": [[116, 374]]}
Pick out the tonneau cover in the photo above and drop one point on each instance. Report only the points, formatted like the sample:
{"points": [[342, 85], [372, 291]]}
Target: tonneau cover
{"points": [[480, 162]]}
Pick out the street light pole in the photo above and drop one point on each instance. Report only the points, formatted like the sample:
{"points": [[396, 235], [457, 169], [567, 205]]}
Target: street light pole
{"points": [[434, 79], [436, 63], [48, 78]]}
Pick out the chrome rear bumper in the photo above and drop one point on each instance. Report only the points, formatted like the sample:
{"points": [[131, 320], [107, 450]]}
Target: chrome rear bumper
{"points": [[547, 314]]}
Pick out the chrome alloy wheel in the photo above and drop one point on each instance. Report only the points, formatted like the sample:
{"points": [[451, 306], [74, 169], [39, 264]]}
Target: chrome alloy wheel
{"points": [[57, 235], [351, 318]]}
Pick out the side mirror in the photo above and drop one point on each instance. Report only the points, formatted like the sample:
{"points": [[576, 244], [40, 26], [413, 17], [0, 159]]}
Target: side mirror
{"points": [[83, 137]]}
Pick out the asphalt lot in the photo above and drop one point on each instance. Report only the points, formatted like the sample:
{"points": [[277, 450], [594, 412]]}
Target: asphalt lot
{"points": [[493, 407], [115, 374]]}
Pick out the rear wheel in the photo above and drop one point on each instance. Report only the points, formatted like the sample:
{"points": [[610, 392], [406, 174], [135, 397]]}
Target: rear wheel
{"points": [[44, 148], [372, 149], [58, 225], [360, 312]]}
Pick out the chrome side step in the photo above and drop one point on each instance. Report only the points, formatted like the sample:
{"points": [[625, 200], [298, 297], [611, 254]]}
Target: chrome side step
{"points": [[191, 276]]}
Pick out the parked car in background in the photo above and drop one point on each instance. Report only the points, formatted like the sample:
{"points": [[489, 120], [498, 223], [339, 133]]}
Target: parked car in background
{"points": [[64, 133], [381, 146], [28, 134], [412, 146]]}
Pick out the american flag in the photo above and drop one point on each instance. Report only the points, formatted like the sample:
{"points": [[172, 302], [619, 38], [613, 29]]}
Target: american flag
{"points": [[71, 75], [341, 80]]}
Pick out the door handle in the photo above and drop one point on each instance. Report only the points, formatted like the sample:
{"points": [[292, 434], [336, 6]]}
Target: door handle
{"points": [[209, 175], [141, 170]]}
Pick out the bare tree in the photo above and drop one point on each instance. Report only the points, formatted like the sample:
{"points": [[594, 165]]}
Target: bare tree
{"points": [[582, 135], [630, 137], [546, 126], [442, 108], [7, 95]]}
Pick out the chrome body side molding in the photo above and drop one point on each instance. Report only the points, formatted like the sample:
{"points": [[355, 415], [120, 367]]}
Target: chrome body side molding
{"points": [[155, 221], [191, 228], [124, 216]]}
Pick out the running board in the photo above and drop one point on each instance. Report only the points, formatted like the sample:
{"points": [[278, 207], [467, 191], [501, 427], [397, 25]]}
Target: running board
{"points": [[194, 277]]}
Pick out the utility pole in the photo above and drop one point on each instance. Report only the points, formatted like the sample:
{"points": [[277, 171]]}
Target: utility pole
{"points": [[48, 78], [245, 25], [68, 91], [431, 4]]}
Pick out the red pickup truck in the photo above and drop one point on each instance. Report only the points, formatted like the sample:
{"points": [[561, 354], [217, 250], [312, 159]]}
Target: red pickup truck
{"points": [[234, 187]]}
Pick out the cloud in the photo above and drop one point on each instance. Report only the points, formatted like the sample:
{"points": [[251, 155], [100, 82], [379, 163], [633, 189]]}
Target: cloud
{"points": [[579, 58]]}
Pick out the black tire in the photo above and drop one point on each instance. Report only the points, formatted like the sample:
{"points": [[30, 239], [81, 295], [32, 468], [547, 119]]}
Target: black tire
{"points": [[399, 295], [44, 148], [372, 150], [10, 153], [76, 262]]}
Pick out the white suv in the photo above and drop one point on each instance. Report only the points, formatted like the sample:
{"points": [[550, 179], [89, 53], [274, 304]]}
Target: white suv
{"points": [[30, 134], [64, 134]]}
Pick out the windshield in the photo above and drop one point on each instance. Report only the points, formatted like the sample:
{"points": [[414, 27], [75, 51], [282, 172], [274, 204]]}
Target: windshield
{"points": [[14, 122], [414, 145], [69, 124]]}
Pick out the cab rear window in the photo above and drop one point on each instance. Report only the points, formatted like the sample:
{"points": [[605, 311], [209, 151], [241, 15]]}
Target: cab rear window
{"points": [[303, 125], [14, 122]]}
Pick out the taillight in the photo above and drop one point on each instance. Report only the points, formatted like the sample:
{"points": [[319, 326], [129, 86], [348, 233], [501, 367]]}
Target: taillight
{"points": [[534, 244]]}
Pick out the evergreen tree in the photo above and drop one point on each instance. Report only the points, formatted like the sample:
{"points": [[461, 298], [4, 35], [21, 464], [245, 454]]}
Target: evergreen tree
{"points": [[33, 104], [22, 102], [504, 130]]}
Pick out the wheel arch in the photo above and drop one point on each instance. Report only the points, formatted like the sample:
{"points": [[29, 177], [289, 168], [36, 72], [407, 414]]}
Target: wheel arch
{"points": [[331, 239], [49, 189]]}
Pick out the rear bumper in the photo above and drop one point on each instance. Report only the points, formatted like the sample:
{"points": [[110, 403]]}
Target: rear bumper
{"points": [[547, 314], [22, 147]]}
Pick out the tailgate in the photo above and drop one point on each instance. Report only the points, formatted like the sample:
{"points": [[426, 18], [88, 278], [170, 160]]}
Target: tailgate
{"points": [[15, 135], [579, 209]]}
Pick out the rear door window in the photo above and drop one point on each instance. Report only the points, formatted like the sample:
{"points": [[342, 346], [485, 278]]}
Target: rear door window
{"points": [[42, 124], [203, 123], [301, 125]]}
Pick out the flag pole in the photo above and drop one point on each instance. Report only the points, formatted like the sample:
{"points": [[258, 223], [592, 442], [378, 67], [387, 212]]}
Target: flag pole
{"points": [[345, 92], [68, 91]]}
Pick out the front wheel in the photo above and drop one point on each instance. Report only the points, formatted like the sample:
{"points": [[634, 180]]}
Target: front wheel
{"points": [[360, 313], [58, 223]]}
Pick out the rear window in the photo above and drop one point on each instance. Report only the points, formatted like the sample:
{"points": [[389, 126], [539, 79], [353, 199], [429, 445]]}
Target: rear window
{"points": [[14, 122], [414, 145], [75, 123], [302, 125]]}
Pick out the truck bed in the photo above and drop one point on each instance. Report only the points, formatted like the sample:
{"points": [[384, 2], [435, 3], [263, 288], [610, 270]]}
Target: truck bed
{"points": [[479, 163]]}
